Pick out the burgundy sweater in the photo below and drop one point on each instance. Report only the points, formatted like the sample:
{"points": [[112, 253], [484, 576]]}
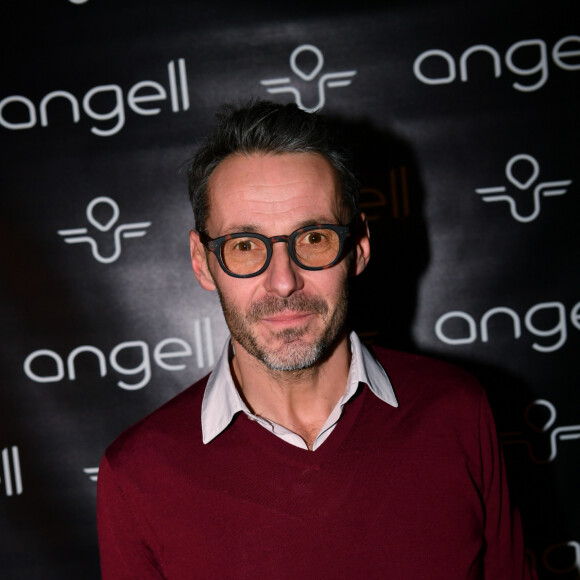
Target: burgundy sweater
{"points": [[409, 493]]}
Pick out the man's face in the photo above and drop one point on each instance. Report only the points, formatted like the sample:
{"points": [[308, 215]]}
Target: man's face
{"points": [[286, 317]]}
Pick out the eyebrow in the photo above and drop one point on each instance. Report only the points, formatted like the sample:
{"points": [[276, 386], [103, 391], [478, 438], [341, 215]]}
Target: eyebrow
{"points": [[241, 228], [254, 229]]}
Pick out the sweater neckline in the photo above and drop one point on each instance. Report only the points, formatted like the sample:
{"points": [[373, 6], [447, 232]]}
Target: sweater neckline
{"points": [[271, 444]]}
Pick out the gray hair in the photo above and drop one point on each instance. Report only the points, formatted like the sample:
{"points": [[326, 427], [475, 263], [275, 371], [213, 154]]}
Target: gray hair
{"points": [[267, 128]]}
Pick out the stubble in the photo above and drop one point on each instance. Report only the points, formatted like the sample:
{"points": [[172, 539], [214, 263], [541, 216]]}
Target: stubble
{"points": [[294, 352]]}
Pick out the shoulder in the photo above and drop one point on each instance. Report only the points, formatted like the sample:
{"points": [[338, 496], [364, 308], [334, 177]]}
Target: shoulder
{"points": [[443, 410], [417, 378], [406, 365], [162, 432]]}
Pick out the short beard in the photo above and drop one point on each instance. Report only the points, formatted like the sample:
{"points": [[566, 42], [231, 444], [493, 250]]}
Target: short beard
{"points": [[294, 355]]}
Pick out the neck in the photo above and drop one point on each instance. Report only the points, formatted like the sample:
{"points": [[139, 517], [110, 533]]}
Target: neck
{"points": [[299, 400]]}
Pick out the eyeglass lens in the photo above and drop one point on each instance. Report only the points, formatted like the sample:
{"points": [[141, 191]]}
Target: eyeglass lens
{"points": [[313, 249]]}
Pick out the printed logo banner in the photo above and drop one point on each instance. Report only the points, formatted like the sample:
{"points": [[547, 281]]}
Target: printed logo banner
{"points": [[466, 137]]}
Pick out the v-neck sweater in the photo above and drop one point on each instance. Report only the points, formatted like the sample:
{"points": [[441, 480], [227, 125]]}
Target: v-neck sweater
{"points": [[409, 493]]}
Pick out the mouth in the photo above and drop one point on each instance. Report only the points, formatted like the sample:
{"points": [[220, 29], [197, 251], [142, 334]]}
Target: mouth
{"points": [[287, 318]]}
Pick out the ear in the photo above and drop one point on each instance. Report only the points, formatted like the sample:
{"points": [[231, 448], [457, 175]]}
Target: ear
{"points": [[362, 248], [199, 262]]}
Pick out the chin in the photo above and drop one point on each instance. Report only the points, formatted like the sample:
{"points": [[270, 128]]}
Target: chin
{"points": [[293, 357]]}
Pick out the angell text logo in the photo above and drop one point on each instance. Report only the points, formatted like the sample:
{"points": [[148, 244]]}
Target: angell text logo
{"points": [[542, 424], [133, 358], [122, 231], [11, 474], [524, 202], [526, 58], [376, 203], [546, 320], [18, 112], [330, 80]]}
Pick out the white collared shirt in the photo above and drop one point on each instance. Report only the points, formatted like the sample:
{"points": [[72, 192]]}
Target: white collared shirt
{"points": [[221, 400]]}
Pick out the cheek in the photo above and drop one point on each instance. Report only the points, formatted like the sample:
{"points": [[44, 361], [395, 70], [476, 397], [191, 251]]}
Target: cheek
{"points": [[330, 284], [238, 293]]}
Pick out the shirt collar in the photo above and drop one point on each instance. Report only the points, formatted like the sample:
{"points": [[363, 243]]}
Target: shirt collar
{"points": [[364, 368], [221, 400]]}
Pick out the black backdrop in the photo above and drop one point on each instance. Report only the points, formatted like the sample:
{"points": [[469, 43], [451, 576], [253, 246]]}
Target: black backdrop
{"points": [[464, 117]]}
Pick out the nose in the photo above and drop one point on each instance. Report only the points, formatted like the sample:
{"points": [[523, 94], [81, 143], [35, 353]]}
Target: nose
{"points": [[282, 275]]}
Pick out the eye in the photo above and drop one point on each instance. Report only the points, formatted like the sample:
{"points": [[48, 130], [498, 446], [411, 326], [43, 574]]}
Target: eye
{"points": [[244, 246], [314, 238]]}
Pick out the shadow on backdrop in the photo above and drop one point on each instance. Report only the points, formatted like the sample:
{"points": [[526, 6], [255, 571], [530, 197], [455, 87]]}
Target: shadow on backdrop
{"points": [[384, 297], [383, 302]]}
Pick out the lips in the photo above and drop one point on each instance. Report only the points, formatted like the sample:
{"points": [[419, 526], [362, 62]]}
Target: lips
{"points": [[287, 317]]}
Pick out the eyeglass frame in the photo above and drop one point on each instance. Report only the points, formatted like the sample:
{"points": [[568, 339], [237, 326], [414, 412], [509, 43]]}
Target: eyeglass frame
{"points": [[215, 245]]}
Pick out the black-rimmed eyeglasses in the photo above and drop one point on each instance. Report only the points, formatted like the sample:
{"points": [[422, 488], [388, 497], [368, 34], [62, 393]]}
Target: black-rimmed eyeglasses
{"points": [[244, 255]]}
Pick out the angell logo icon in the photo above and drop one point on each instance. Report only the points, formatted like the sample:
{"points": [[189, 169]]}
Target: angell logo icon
{"points": [[557, 436], [527, 165], [92, 472], [325, 81], [123, 231]]}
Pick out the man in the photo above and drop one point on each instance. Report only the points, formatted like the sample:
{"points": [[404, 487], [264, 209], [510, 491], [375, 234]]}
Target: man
{"points": [[295, 458]]}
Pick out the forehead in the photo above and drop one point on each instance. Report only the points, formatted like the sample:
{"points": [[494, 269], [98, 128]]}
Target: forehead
{"points": [[269, 192]]}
